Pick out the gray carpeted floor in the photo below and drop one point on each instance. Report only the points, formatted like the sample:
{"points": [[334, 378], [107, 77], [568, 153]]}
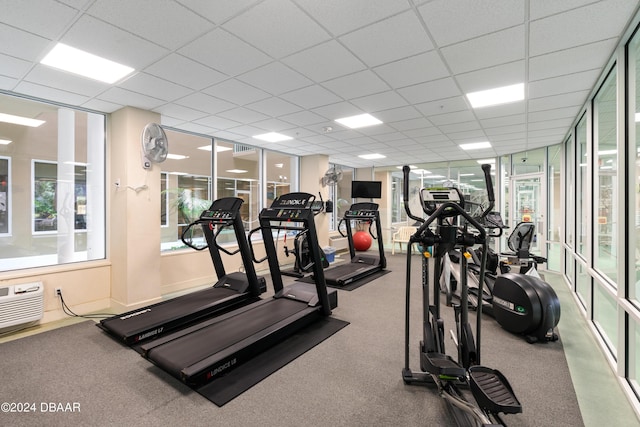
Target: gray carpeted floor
{"points": [[351, 379]]}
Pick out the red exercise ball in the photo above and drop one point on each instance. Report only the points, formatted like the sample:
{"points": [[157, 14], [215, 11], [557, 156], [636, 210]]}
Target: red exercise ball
{"points": [[361, 240]]}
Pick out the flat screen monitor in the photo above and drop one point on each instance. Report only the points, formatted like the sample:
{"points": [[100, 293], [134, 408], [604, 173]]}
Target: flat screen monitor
{"points": [[366, 189]]}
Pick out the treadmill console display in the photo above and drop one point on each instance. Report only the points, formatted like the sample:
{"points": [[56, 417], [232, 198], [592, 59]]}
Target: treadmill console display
{"points": [[220, 215]]}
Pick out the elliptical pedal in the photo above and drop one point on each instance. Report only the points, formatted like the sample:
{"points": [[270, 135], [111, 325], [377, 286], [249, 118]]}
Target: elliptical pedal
{"points": [[442, 365], [492, 391]]}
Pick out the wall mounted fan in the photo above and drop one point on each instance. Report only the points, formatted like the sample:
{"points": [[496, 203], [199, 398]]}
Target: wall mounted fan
{"points": [[155, 145], [332, 176]]}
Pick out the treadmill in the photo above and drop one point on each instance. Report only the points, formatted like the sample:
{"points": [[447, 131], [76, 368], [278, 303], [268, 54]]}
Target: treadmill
{"points": [[362, 264], [207, 350], [230, 291]]}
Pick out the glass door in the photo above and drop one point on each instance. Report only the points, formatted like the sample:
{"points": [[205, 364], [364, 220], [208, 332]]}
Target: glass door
{"points": [[245, 209], [527, 205]]}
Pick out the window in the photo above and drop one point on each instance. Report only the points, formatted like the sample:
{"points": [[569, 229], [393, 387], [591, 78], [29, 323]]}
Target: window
{"points": [[570, 207], [605, 213], [282, 174], [554, 207], [5, 196], [634, 174], [582, 187], [185, 182], [55, 164], [605, 317]]}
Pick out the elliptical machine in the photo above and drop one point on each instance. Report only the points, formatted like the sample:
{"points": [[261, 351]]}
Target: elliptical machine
{"points": [[491, 390], [520, 301]]}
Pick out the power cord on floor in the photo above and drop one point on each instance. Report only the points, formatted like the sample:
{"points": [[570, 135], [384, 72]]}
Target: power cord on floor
{"points": [[69, 312]]}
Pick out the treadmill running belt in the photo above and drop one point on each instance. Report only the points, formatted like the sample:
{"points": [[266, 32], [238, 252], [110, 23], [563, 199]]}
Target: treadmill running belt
{"points": [[168, 310], [189, 349]]}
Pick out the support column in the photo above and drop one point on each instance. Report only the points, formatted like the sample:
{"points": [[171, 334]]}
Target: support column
{"points": [[312, 169], [135, 213]]}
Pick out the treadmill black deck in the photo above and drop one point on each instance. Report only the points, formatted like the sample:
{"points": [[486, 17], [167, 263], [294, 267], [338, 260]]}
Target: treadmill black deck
{"points": [[211, 348], [164, 316], [356, 269]]}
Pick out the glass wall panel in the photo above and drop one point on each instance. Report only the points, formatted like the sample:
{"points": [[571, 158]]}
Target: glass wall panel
{"points": [[281, 174], [582, 187], [634, 175], [570, 198], [238, 175], [583, 286], [634, 355], [505, 198], [53, 219], [606, 183], [605, 316], [185, 182], [554, 207], [5, 195]]}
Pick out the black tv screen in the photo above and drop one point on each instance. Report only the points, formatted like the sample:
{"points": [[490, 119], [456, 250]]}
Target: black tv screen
{"points": [[366, 189]]}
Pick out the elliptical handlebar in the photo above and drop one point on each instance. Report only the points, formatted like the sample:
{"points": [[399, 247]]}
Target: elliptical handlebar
{"points": [[405, 194]]}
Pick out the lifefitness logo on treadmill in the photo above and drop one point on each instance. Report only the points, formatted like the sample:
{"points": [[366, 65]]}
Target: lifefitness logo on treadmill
{"points": [[150, 334], [137, 313], [293, 202], [222, 368]]}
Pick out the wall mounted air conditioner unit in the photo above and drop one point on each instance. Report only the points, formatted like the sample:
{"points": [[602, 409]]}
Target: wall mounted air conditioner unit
{"points": [[20, 304]]}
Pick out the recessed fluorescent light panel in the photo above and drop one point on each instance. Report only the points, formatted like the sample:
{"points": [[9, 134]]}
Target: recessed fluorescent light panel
{"points": [[476, 145], [372, 156], [272, 137], [176, 156], [237, 171], [489, 161], [497, 96], [18, 120], [85, 64], [359, 121], [5, 141], [219, 148]]}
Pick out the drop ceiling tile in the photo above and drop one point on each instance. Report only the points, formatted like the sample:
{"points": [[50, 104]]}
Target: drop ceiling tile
{"points": [[570, 83], [558, 101], [515, 119], [340, 17], [277, 27], [46, 92], [224, 52], [274, 125], [451, 128], [147, 84], [394, 38], [247, 131], [544, 115], [588, 57], [461, 136], [577, 27], [324, 62], [447, 119], [227, 136], [180, 112], [502, 130], [398, 114], [431, 131], [391, 137], [470, 18], [103, 106], [185, 72], [379, 101], [99, 38], [311, 97], [118, 95], [500, 110], [303, 118], [206, 103], [486, 51], [499, 139], [196, 128], [168, 24], [492, 77], [376, 129], [430, 91], [273, 107], [321, 139], [243, 115], [411, 124], [337, 110], [356, 85], [416, 69], [443, 106], [47, 76], [23, 45], [220, 11], [217, 122], [13, 67], [542, 9], [47, 18], [275, 78], [236, 92]]}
